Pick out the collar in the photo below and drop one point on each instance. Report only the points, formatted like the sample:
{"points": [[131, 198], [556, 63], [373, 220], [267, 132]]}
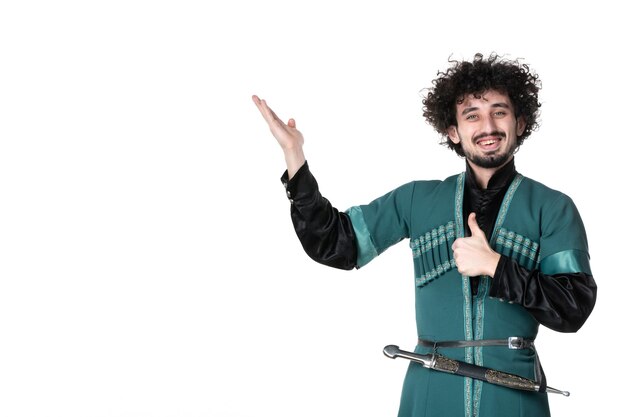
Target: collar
{"points": [[502, 178]]}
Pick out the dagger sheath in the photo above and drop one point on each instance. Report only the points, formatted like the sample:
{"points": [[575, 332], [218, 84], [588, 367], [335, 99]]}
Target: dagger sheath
{"points": [[442, 363]]}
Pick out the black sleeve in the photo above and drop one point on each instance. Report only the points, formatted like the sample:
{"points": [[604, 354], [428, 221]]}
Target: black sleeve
{"points": [[561, 302], [326, 234]]}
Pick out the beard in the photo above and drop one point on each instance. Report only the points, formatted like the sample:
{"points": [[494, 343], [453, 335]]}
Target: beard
{"points": [[490, 161], [495, 159]]}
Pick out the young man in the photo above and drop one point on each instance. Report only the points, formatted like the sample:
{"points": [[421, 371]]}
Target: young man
{"points": [[495, 253]]}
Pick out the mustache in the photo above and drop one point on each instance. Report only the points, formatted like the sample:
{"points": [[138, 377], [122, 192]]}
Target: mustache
{"points": [[494, 133]]}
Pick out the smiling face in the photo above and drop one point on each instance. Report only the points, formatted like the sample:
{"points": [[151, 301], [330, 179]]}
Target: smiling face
{"points": [[487, 129]]}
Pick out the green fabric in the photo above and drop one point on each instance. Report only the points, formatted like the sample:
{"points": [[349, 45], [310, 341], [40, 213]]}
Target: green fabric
{"points": [[365, 247], [538, 228], [382, 223], [567, 261]]}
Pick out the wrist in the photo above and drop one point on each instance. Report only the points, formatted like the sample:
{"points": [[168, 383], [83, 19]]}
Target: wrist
{"points": [[493, 264], [294, 157]]}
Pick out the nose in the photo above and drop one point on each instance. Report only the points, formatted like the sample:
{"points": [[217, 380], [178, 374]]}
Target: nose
{"points": [[489, 124]]}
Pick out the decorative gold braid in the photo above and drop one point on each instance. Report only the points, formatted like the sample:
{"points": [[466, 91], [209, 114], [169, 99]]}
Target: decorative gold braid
{"points": [[441, 363], [509, 380]]}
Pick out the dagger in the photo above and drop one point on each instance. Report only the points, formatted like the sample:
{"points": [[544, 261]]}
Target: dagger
{"points": [[442, 363]]}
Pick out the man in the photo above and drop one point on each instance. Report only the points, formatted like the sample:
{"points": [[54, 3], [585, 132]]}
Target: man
{"points": [[495, 253]]}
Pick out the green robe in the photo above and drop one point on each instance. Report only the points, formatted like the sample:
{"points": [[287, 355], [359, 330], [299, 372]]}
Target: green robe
{"points": [[537, 227]]}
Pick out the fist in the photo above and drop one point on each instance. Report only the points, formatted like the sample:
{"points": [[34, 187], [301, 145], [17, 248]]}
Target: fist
{"points": [[473, 255]]}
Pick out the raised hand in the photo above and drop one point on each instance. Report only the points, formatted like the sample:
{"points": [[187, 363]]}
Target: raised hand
{"points": [[473, 255], [289, 138]]}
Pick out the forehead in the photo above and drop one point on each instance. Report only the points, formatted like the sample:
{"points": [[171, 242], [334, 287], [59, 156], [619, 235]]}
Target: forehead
{"points": [[487, 98]]}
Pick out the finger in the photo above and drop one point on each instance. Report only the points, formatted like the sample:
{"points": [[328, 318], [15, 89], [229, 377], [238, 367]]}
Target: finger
{"points": [[268, 114], [268, 111], [257, 102], [291, 123], [273, 116], [473, 225], [272, 113], [263, 108]]}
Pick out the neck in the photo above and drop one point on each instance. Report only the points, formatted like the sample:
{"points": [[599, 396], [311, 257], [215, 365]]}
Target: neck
{"points": [[483, 175]]}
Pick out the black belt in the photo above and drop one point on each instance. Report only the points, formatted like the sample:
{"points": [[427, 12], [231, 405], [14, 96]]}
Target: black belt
{"points": [[512, 342]]}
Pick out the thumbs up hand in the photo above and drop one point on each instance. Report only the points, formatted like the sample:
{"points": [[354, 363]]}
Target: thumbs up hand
{"points": [[473, 255]]}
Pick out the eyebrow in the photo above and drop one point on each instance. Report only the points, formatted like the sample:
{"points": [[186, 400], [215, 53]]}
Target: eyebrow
{"points": [[499, 104]]}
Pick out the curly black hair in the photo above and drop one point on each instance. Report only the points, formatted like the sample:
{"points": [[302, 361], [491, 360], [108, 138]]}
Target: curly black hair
{"points": [[476, 77]]}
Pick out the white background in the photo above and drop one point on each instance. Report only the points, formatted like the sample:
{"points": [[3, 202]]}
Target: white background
{"points": [[148, 265]]}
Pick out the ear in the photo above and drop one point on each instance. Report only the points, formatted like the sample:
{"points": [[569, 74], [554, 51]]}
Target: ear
{"points": [[454, 134], [521, 125]]}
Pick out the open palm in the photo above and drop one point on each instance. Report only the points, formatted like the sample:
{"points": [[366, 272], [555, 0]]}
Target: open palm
{"points": [[287, 135]]}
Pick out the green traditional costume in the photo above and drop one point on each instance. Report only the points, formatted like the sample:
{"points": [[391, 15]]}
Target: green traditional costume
{"points": [[536, 227]]}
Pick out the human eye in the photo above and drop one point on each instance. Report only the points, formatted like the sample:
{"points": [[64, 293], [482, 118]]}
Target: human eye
{"points": [[500, 113], [471, 117]]}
